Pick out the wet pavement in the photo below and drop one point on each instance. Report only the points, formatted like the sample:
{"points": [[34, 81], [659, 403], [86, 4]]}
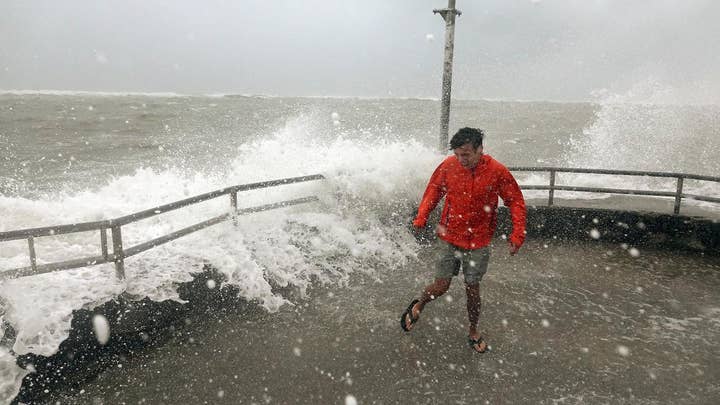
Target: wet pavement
{"points": [[568, 323], [635, 204]]}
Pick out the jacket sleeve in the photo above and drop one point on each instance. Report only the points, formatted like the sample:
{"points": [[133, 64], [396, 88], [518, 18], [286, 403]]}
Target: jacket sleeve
{"points": [[513, 199], [434, 192]]}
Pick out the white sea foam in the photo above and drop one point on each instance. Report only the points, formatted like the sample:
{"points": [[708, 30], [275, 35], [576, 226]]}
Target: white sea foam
{"points": [[648, 127], [10, 376], [642, 129]]}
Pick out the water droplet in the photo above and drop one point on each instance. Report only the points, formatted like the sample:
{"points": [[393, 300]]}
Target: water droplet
{"points": [[623, 350], [101, 327]]}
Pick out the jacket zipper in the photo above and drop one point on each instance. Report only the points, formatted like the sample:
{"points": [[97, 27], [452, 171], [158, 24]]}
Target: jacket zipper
{"points": [[472, 195]]}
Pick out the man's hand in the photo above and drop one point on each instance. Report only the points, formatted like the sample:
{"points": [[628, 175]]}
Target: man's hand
{"points": [[513, 248], [421, 234], [416, 230]]}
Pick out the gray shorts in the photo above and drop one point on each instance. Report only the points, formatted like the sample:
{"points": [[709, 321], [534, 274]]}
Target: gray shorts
{"points": [[474, 263]]}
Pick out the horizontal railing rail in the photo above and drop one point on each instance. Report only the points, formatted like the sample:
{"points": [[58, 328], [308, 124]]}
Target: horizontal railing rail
{"points": [[118, 254], [678, 194]]}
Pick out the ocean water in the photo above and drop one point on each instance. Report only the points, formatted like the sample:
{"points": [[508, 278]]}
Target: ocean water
{"points": [[68, 158]]}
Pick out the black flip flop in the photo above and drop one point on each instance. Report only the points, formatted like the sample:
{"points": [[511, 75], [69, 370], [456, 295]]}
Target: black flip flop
{"points": [[472, 342], [408, 313]]}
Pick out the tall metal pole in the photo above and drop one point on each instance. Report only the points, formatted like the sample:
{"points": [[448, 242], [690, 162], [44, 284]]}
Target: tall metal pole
{"points": [[448, 14]]}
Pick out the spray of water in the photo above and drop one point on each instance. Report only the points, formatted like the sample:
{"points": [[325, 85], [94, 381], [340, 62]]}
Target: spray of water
{"points": [[357, 227], [647, 129]]}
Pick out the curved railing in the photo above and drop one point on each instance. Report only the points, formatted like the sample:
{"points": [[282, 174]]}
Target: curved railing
{"points": [[119, 253], [678, 194]]}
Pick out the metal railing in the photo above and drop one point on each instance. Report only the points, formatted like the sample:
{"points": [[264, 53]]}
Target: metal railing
{"points": [[678, 194], [118, 254]]}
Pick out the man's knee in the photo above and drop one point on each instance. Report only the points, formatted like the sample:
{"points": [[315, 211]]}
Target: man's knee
{"points": [[472, 288], [438, 288], [443, 284]]}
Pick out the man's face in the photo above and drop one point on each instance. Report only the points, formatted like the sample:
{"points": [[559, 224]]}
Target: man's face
{"points": [[468, 156]]}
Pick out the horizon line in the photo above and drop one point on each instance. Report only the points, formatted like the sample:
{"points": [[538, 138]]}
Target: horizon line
{"points": [[168, 94]]}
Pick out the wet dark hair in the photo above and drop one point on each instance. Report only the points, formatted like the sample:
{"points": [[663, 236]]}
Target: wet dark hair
{"points": [[467, 135]]}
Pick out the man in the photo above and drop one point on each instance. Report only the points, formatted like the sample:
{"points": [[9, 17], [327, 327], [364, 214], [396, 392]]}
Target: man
{"points": [[471, 183]]}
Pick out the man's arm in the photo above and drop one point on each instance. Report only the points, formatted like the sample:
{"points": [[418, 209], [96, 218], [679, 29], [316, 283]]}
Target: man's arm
{"points": [[433, 194], [512, 197]]}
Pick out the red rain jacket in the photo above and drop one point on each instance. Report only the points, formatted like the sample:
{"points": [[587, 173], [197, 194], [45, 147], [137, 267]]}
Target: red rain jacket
{"points": [[469, 217]]}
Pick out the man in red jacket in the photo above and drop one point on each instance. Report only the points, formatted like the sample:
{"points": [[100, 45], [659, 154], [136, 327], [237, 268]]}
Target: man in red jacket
{"points": [[471, 183]]}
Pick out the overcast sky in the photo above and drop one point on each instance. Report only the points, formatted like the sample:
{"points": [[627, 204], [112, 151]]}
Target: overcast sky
{"points": [[505, 49]]}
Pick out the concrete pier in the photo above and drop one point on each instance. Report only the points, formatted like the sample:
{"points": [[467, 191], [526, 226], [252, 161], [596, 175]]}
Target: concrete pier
{"points": [[571, 322]]}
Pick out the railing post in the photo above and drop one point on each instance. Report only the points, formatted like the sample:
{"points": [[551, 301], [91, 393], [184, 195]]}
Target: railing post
{"points": [[233, 200], [678, 195], [233, 205], [118, 254], [551, 194], [103, 243], [31, 248]]}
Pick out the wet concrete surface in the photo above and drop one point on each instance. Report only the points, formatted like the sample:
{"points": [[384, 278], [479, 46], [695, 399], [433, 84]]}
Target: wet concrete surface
{"points": [[568, 323], [634, 203]]}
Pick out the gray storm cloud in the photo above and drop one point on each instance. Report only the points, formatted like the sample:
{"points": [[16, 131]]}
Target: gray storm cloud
{"points": [[505, 49]]}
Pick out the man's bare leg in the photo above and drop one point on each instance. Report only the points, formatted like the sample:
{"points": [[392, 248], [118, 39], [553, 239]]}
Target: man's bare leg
{"points": [[431, 292], [474, 304]]}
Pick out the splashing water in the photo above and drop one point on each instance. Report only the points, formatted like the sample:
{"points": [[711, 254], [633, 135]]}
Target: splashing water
{"points": [[357, 227]]}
